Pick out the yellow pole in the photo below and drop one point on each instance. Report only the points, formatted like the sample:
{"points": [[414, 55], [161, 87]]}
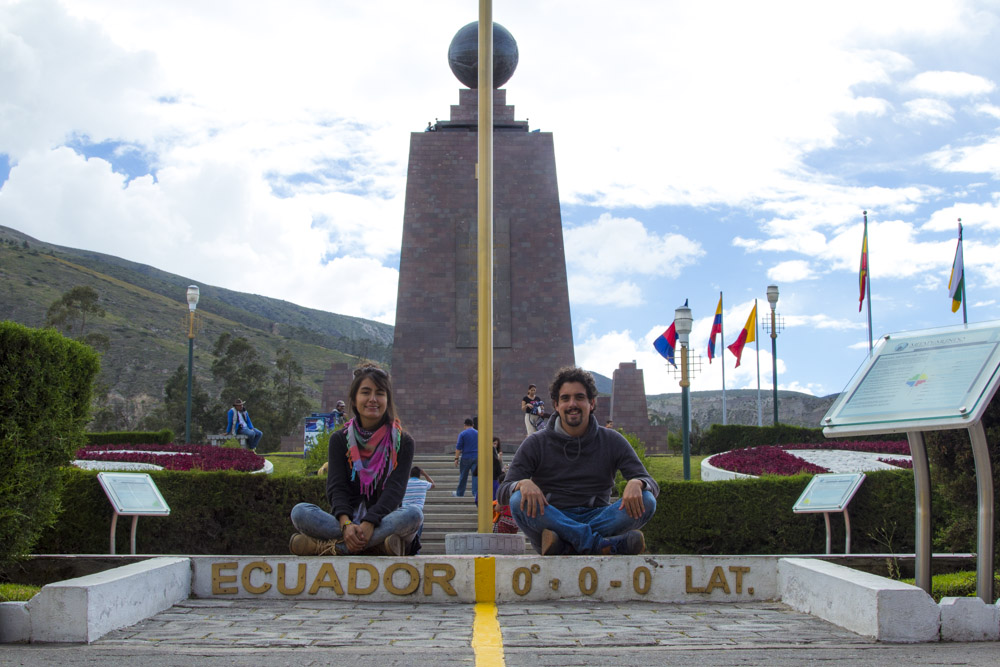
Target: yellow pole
{"points": [[485, 273]]}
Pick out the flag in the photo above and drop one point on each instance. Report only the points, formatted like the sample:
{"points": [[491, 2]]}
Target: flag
{"points": [[956, 284], [747, 335], [716, 329], [667, 343], [863, 271]]}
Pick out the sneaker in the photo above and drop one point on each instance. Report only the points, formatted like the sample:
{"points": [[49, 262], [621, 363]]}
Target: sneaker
{"points": [[551, 543], [393, 546], [455, 494], [630, 544], [301, 544]]}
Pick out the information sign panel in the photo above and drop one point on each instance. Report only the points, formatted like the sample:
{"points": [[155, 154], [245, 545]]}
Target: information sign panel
{"points": [[133, 493], [919, 381], [828, 492]]}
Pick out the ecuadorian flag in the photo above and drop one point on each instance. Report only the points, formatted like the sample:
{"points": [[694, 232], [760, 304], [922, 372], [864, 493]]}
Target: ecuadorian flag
{"points": [[956, 285], [716, 329]]}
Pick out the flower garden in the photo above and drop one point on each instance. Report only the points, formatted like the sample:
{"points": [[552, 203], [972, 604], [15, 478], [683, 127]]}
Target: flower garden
{"points": [[777, 459], [169, 457]]}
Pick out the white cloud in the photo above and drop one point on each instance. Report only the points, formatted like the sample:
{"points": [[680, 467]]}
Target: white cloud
{"points": [[601, 255], [950, 84], [926, 110], [792, 270], [983, 157]]}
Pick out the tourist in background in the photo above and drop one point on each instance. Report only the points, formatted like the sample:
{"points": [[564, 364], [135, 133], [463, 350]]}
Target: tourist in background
{"points": [[466, 455], [238, 423]]}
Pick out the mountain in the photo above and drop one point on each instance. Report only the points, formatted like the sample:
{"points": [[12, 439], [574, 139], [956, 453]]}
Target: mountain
{"points": [[794, 408], [146, 321]]}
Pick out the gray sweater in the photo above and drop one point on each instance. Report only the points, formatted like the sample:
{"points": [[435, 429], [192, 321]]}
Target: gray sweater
{"points": [[574, 472]]}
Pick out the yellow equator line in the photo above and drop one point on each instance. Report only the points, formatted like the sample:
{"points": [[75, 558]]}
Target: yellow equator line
{"points": [[487, 642]]}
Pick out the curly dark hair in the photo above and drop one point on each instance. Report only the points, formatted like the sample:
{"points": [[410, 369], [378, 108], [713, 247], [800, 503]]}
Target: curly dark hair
{"points": [[572, 374]]}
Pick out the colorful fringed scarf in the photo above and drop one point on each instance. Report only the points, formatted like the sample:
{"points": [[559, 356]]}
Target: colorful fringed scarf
{"points": [[382, 460]]}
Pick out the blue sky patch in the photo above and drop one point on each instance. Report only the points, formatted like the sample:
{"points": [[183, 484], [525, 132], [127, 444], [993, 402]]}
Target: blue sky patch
{"points": [[4, 168], [127, 159]]}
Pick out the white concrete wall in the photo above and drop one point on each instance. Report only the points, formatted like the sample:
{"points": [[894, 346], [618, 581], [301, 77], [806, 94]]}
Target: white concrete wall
{"points": [[969, 620], [710, 473], [867, 604], [86, 608], [15, 623]]}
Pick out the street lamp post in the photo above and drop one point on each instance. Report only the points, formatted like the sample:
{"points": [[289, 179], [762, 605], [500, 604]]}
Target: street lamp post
{"points": [[192, 298], [772, 298], [682, 324]]}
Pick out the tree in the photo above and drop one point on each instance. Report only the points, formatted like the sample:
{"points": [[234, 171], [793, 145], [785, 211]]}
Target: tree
{"points": [[70, 311], [290, 396], [207, 416], [237, 366]]}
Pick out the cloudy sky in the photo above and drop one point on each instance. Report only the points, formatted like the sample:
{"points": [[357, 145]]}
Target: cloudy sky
{"points": [[701, 147]]}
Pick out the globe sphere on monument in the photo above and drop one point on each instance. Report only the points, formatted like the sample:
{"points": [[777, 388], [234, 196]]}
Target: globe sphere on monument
{"points": [[463, 55]]}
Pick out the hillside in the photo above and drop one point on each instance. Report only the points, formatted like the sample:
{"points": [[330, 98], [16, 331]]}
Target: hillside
{"points": [[147, 314], [794, 408]]}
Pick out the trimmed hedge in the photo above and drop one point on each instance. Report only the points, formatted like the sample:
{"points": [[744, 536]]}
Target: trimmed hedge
{"points": [[754, 516], [45, 384], [164, 437], [235, 513], [719, 438], [210, 513]]}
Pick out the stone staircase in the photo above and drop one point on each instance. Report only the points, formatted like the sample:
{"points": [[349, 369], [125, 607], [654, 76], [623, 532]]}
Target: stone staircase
{"points": [[444, 513]]}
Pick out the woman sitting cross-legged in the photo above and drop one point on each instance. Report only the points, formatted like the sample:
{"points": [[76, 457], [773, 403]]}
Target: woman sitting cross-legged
{"points": [[370, 460]]}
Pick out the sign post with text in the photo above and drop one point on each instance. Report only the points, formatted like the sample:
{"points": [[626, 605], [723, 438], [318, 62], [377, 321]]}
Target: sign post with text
{"points": [[930, 380]]}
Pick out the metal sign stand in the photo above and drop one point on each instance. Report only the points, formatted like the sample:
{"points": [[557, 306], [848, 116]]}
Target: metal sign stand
{"points": [[829, 493], [131, 494], [932, 380]]}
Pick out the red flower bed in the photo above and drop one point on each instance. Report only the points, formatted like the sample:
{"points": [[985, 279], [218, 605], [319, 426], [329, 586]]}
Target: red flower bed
{"points": [[877, 447], [899, 463], [766, 460], [187, 457]]}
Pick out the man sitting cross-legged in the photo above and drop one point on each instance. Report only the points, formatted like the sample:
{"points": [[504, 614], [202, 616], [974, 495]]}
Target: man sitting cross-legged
{"points": [[559, 483]]}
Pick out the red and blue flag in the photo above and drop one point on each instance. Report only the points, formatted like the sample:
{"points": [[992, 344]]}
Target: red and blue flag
{"points": [[667, 343]]}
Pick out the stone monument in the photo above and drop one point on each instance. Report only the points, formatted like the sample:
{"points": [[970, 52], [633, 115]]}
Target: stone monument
{"points": [[434, 358]]}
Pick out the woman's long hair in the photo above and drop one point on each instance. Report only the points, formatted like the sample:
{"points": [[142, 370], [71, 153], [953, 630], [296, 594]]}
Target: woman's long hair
{"points": [[382, 381]]}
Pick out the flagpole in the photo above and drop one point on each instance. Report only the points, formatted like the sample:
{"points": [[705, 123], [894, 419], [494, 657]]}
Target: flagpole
{"points": [[756, 337], [965, 318], [868, 284], [722, 337]]}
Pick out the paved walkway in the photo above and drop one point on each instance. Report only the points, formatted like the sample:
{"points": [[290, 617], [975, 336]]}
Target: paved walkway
{"points": [[300, 633]]}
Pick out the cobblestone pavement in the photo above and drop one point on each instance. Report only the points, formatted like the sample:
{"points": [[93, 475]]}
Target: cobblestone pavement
{"points": [[283, 632]]}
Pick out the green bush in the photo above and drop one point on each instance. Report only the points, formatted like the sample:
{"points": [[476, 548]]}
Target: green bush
{"points": [[953, 476], [210, 513], [956, 585], [45, 384], [236, 513], [754, 516], [320, 452], [164, 437], [719, 438]]}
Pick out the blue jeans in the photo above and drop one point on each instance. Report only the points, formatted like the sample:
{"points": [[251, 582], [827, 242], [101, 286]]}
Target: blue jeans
{"points": [[582, 529], [465, 466], [253, 436], [316, 522]]}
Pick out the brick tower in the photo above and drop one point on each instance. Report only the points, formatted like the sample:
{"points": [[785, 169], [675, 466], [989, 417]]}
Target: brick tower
{"points": [[434, 352]]}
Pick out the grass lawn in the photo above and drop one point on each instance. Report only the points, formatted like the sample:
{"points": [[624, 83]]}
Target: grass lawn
{"points": [[17, 592], [287, 465], [671, 468]]}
